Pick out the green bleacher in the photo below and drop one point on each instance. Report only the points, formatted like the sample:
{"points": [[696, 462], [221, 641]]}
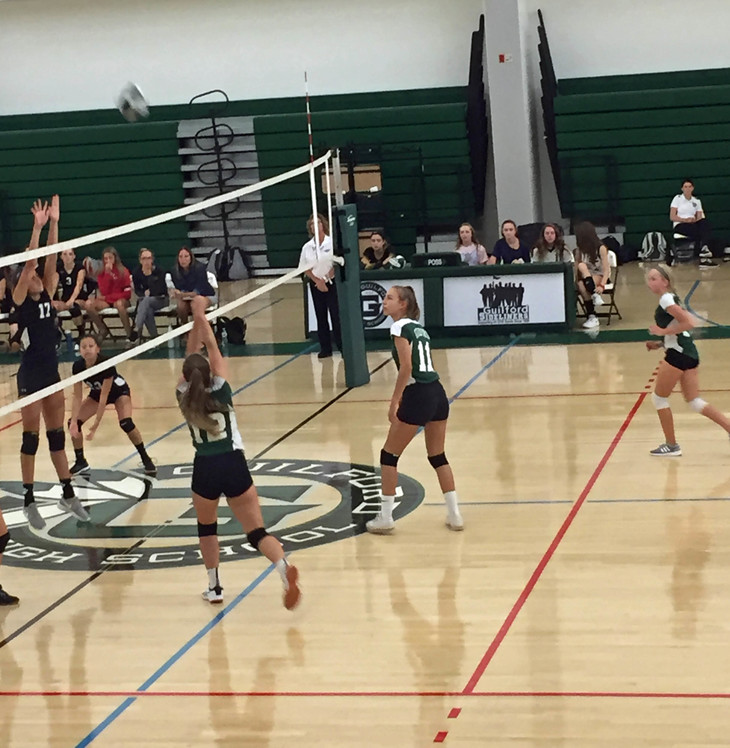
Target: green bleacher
{"points": [[109, 172], [625, 144]]}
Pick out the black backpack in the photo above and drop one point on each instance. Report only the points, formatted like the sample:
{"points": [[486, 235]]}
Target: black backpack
{"points": [[235, 329]]}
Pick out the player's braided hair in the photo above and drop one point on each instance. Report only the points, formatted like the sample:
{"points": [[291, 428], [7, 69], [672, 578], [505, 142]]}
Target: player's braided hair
{"points": [[197, 404]]}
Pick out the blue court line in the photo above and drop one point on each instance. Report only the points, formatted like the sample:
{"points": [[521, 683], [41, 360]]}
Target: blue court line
{"points": [[485, 367], [687, 299], [308, 349], [174, 658]]}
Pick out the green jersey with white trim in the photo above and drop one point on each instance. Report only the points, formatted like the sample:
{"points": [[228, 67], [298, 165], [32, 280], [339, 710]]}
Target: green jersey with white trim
{"points": [[227, 438], [681, 342], [415, 333]]}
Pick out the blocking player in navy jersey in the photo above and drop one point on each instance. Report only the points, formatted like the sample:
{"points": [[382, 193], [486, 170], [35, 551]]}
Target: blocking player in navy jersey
{"points": [[220, 467], [39, 369], [681, 362], [107, 387], [418, 401]]}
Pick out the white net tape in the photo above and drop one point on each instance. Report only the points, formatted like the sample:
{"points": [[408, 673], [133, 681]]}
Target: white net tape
{"points": [[176, 332]]}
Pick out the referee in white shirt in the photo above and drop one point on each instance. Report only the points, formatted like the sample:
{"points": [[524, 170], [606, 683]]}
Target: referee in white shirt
{"points": [[688, 217], [322, 285]]}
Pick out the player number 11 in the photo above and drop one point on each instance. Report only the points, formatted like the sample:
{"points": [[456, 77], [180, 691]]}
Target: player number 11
{"points": [[424, 356]]}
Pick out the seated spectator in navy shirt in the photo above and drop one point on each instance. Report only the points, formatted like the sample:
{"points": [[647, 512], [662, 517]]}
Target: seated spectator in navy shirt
{"points": [[509, 249]]}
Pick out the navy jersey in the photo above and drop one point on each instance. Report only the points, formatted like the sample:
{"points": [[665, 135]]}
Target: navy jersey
{"points": [[67, 280], [95, 381], [37, 320]]}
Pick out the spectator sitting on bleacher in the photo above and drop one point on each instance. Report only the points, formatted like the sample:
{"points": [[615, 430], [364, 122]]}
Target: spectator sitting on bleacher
{"points": [[73, 289], [550, 246], [115, 290], [190, 287], [377, 254], [468, 246], [593, 270], [688, 217], [509, 249], [7, 306], [151, 291]]}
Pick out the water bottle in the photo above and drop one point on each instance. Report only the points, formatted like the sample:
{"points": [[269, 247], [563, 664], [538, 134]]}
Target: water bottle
{"points": [[171, 341]]}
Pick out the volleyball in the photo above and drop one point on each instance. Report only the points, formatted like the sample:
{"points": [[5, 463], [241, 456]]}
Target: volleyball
{"points": [[397, 261], [132, 103]]}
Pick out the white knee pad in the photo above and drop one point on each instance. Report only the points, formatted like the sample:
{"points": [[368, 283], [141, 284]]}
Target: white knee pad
{"points": [[697, 405], [659, 402]]}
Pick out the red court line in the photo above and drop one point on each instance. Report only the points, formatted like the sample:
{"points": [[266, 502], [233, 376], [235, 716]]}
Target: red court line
{"points": [[8, 425], [370, 694], [494, 646]]}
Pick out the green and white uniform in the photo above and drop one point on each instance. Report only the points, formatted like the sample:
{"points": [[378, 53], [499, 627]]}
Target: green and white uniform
{"points": [[424, 399], [681, 342], [228, 438], [421, 365]]}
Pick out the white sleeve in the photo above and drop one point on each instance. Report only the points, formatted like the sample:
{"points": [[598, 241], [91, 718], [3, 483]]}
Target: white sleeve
{"points": [[675, 201], [667, 300], [699, 206], [397, 327]]}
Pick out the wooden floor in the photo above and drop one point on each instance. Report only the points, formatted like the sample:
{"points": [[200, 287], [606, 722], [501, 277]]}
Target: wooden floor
{"points": [[585, 604]]}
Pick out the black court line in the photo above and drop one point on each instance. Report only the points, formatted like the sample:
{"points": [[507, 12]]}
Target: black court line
{"points": [[99, 572], [314, 415]]}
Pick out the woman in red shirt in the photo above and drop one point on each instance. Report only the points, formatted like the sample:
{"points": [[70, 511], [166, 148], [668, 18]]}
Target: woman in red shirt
{"points": [[115, 289]]}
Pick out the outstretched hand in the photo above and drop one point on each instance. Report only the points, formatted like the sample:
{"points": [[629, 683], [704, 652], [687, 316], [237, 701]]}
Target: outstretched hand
{"points": [[40, 211], [653, 345], [54, 209]]}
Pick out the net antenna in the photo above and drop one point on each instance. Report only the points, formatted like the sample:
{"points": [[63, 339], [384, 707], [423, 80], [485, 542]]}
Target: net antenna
{"points": [[312, 189]]}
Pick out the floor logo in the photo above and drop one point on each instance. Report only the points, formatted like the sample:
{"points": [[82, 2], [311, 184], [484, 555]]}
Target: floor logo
{"points": [[138, 523], [372, 296], [502, 304]]}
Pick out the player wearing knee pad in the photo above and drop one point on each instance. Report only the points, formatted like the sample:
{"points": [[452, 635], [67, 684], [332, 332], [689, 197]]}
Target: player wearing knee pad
{"points": [[220, 467], [106, 387], [681, 361], [418, 400], [36, 316]]}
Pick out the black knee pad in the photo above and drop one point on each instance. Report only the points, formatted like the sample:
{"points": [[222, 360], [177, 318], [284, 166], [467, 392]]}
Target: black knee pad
{"points": [[127, 425], [590, 284], [75, 311], [206, 530], [387, 458], [56, 440], [438, 461], [29, 445], [4, 540], [256, 536]]}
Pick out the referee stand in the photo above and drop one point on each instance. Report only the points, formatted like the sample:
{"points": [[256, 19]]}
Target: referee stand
{"points": [[348, 295]]}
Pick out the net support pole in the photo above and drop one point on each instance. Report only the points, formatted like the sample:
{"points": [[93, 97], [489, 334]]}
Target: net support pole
{"points": [[348, 296]]}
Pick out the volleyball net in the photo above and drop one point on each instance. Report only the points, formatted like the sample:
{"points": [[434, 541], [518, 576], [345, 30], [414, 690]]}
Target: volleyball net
{"points": [[9, 362]]}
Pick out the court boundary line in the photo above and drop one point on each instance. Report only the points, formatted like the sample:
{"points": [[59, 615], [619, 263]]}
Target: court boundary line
{"points": [[550, 552], [133, 695], [128, 702]]}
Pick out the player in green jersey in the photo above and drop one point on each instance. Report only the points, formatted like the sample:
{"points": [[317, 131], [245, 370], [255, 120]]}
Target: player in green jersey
{"points": [[681, 361], [206, 402], [418, 401]]}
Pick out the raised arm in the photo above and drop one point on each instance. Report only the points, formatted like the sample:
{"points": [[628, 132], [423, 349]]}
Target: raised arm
{"points": [[50, 272], [218, 364]]}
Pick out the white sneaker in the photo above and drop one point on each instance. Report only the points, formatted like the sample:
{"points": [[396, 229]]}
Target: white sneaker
{"points": [[380, 525], [591, 322], [597, 299], [705, 251], [74, 506], [454, 521], [34, 516], [214, 596]]}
